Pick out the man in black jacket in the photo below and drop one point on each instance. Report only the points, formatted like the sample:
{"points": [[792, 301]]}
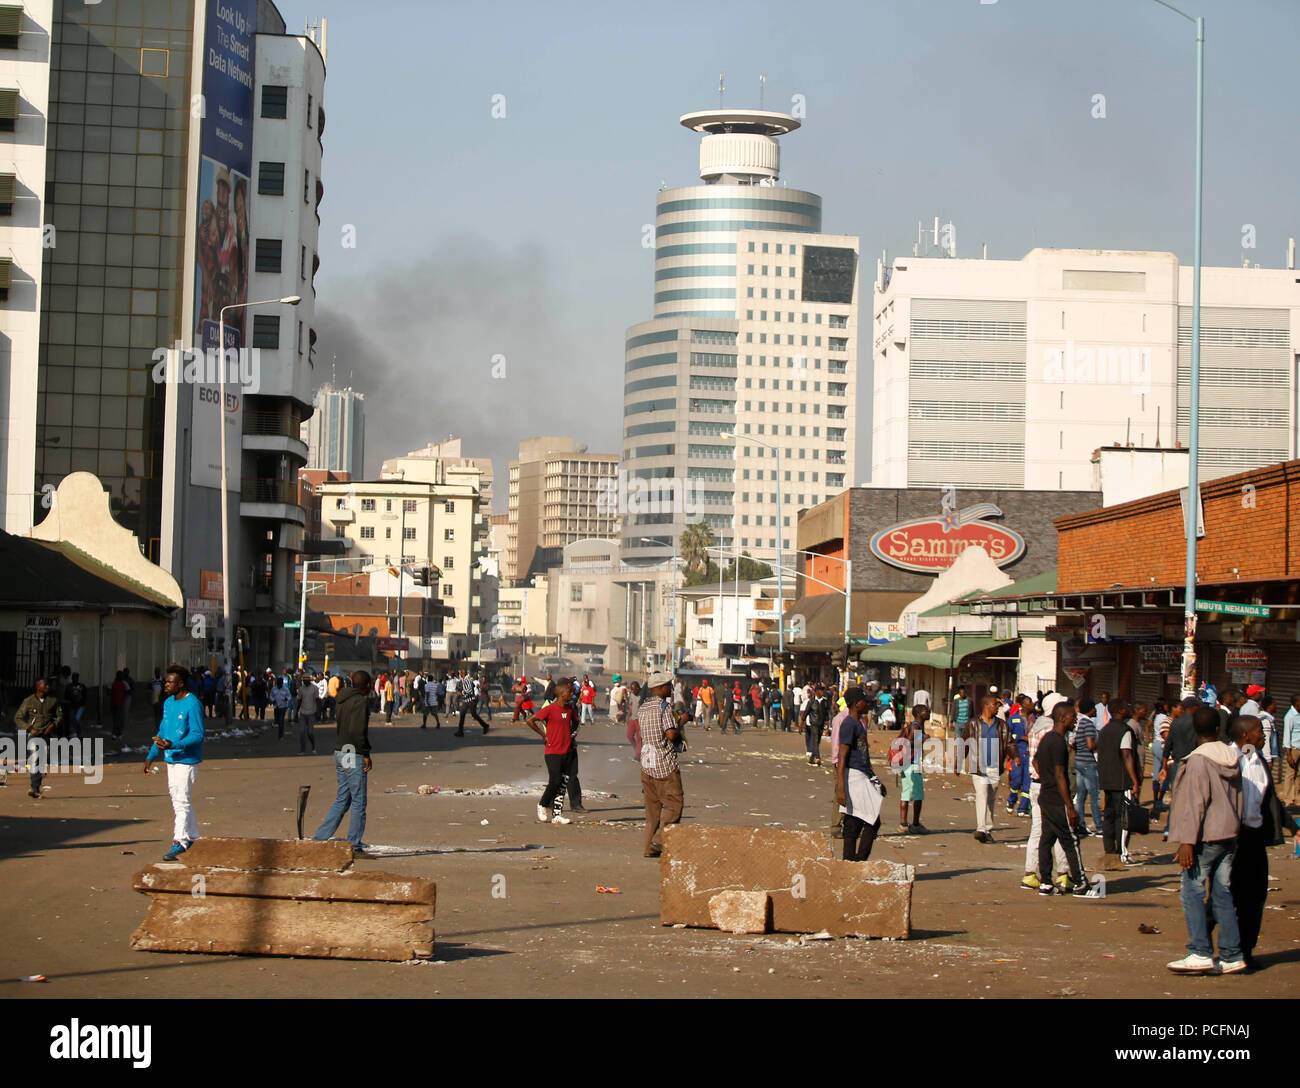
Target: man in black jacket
{"points": [[1117, 773], [351, 761], [1262, 821]]}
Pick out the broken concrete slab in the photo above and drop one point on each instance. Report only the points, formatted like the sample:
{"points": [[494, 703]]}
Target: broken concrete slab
{"points": [[741, 912], [808, 888], [292, 911], [279, 854]]}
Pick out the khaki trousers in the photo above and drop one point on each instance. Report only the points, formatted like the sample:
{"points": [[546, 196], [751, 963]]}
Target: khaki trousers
{"points": [[1290, 778], [663, 806]]}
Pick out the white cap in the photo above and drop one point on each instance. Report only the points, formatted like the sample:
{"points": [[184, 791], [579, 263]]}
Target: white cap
{"points": [[657, 679], [1052, 700]]}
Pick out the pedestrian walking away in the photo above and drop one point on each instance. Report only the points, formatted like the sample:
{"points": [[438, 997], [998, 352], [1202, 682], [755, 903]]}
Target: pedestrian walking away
{"points": [[352, 761], [308, 710], [180, 743], [1205, 819]]}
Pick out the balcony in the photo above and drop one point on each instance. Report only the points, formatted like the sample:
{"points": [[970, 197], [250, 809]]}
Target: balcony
{"points": [[274, 432], [276, 500], [340, 517]]}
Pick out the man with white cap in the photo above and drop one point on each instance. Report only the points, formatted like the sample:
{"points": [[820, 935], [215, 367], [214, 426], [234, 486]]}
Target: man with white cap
{"points": [[661, 778]]}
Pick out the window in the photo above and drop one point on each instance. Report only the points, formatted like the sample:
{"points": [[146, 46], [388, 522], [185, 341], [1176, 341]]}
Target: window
{"points": [[309, 111], [275, 101], [448, 562], [306, 186], [367, 532], [575, 594], [408, 506], [367, 506], [302, 264], [270, 178], [408, 533], [449, 534], [388, 506], [447, 590], [266, 331], [449, 506], [388, 533], [268, 254]]}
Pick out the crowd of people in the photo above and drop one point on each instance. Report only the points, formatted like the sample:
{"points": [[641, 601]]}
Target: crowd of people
{"points": [[1220, 768]]}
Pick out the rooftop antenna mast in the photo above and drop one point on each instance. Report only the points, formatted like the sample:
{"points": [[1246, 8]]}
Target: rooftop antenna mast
{"points": [[722, 86], [762, 85]]}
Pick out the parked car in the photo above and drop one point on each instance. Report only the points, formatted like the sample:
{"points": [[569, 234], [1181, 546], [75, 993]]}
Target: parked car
{"points": [[594, 663], [552, 664]]}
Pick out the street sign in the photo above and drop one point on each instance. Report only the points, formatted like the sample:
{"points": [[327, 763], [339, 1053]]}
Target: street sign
{"points": [[1231, 609], [292, 625]]}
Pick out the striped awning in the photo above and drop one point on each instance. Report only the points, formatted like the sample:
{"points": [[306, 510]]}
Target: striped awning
{"points": [[9, 103], [7, 185], [6, 273]]}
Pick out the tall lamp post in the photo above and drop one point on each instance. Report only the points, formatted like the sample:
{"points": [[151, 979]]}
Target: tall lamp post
{"points": [[780, 528], [226, 619], [1193, 430]]}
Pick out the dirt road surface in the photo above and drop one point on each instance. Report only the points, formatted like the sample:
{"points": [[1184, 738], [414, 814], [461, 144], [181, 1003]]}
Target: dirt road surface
{"points": [[67, 862]]}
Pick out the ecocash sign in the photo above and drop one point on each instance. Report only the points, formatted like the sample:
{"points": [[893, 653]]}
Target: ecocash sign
{"points": [[928, 546]]}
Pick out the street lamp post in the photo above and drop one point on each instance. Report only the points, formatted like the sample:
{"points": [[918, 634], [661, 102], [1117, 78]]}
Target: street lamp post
{"points": [[780, 586], [226, 618], [1193, 430]]}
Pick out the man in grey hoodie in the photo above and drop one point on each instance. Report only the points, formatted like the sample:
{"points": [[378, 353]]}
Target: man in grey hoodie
{"points": [[1204, 821]]}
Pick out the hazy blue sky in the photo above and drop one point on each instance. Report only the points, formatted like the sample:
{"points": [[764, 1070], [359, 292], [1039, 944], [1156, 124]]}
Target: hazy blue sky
{"points": [[521, 236]]}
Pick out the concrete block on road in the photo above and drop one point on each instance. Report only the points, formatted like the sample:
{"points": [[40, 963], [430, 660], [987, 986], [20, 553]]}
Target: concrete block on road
{"points": [[280, 854], [295, 911], [808, 888]]}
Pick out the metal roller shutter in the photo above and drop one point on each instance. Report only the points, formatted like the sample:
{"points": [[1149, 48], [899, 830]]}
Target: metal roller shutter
{"points": [[1283, 673]]}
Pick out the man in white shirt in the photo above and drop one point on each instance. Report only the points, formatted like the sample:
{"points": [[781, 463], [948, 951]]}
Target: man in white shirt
{"points": [[1249, 879], [921, 698], [1291, 751]]}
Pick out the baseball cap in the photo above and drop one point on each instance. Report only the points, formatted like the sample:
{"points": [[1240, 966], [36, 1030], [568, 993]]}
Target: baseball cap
{"points": [[658, 678], [1052, 700], [1253, 690]]}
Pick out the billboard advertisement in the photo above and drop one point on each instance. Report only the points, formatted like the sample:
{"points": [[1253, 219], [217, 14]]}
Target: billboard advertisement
{"points": [[222, 241]]}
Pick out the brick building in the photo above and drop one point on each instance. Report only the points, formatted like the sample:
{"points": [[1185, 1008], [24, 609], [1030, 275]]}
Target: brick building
{"points": [[1124, 566]]}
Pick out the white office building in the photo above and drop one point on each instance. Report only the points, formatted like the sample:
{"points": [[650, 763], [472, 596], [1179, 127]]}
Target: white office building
{"points": [[754, 335], [1012, 373]]}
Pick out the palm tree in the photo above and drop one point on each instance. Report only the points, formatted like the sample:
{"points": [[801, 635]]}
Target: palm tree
{"points": [[693, 545]]}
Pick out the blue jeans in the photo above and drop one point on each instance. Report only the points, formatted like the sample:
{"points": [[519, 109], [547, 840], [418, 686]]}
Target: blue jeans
{"points": [[1087, 784], [1212, 863], [352, 794]]}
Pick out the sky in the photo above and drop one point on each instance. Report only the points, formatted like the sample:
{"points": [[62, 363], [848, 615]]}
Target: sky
{"points": [[496, 261]]}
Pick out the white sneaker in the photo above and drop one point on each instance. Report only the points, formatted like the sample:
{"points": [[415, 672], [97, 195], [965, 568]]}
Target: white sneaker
{"points": [[1228, 967], [561, 820], [543, 814], [1192, 964]]}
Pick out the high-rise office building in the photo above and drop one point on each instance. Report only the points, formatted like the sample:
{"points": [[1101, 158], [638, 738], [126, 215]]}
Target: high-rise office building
{"points": [[336, 432], [1012, 373], [558, 494], [754, 335], [158, 148]]}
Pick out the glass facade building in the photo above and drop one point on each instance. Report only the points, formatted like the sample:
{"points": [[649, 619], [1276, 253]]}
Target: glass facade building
{"points": [[119, 124]]}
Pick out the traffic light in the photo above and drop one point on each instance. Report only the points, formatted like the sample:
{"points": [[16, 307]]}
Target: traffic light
{"points": [[422, 576]]}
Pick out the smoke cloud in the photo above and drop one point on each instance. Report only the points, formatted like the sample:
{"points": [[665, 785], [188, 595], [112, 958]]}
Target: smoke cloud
{"points": [[471, 341]]}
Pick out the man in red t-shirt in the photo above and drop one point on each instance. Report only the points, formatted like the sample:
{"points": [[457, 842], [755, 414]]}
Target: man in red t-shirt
{"points": [[587, 697], [561, 752]]}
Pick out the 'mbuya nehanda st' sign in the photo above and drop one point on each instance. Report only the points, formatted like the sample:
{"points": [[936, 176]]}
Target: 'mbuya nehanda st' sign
{"points": [[931, 545]]}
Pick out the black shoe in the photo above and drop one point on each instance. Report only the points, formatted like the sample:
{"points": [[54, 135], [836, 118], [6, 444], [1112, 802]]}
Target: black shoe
{"points": [[459, 733], [1047, 889], [576, 808], [980, 836], [485, 729]]}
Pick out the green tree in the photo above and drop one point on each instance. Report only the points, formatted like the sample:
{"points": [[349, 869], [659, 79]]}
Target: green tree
{"points": [[694, 544]]}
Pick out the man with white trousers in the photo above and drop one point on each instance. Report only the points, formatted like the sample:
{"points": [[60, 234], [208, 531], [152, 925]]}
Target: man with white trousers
{"points": [[180, 740]]}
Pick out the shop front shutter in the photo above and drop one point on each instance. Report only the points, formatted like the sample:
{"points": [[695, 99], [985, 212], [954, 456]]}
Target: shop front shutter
{"points": [[1283, 673]]}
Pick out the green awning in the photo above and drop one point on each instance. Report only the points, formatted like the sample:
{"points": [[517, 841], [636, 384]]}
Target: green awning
{"points": [[918, 651], [7, 188], [8, 103], [11, 20], [6, 273]]}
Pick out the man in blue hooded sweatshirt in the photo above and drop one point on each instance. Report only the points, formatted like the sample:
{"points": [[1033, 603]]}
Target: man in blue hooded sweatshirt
{"points": [[180, 740]]}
